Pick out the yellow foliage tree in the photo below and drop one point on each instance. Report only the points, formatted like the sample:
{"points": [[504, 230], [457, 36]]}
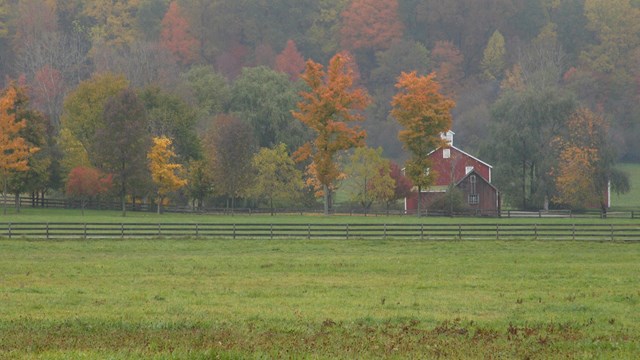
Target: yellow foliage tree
{"points": [[164, 173], [14, 150]]}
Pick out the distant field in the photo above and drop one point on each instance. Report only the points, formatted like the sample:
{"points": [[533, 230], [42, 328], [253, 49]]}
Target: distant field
{"points": [[194, 299], [632, 199]]}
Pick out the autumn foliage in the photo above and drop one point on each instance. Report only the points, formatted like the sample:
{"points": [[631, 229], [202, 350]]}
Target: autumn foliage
{"points": [[327, 107], [176, 37], [14, 149], [581, 177], [370, 24], [290, 61], [424, 114], [164, 173], [87, 182]]}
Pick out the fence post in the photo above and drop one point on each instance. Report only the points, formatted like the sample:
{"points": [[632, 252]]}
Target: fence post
{"points": [[84, 233], [612, 237], [9, 230], [308, 231], [574, 232], [159, 230], [197, 230], [497, 231], [385, 231], [271, 231], [47, 231], [535, 230], [460, 231], [421, 231], [347, 231], [234, 231], [122, 230]]}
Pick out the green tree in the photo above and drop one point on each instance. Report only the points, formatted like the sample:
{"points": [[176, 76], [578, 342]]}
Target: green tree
{"points": [[425, 114], [168, 115], [199, 182], [493, 61], [230, 149], [83, 111], [369, 177], [278, 181], [210, 91], [122, 142], [523, 125], [265, 98]]}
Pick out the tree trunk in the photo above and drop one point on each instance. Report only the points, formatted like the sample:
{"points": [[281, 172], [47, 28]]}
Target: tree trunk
{"points": [[325, 190], [4, 194], [419, 200]]}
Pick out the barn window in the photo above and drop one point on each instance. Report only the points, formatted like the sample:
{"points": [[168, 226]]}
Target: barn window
{"points": [[446, 153], [468, 169], [474, 198]]}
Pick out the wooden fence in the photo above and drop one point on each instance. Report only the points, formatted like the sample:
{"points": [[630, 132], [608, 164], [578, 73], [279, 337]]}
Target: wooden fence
{"points": [[594, 232]]}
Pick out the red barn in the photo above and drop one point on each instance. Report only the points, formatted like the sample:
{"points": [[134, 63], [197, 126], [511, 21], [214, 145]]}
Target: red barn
{"points": [[469, 174]]}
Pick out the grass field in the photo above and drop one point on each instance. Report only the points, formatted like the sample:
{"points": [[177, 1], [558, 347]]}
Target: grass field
{"points": [[631, 199], [72, 215], [170, 299]]}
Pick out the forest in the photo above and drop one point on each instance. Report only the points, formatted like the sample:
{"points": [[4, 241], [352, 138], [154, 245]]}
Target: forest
{"points": [[209, 102]]}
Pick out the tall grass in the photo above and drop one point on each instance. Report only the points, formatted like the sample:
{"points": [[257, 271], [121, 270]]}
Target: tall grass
{"points": [[318, 299]]}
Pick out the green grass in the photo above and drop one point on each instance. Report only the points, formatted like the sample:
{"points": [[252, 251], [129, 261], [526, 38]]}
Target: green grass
{"points": [[71, 215], [186, 299], [631, 199]]}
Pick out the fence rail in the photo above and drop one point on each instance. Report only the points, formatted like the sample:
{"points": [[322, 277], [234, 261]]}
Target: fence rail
{"points": [[594, 232]]}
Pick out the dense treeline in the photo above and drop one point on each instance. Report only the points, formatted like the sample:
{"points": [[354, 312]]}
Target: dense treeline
{"points": [[100, 79]]}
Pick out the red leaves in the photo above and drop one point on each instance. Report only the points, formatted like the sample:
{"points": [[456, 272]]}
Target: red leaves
{"points": [[290, 61], [370, 24], [176, 37], [86, 182]]}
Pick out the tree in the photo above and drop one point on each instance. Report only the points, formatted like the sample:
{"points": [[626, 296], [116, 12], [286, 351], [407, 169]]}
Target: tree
{"points": [[164, 173], [368, 177], [14, 149], [84, 109], [37, 178], [370, 24], [122, 142], [264, 99], [586, 163], [448, 61], [176, 37], [278, 181], [403, 185], [522, 126], [199, 182], [229, 147], [114, 23], [87, 182], [169, 115], [290, 61], [327, 108], [493, 61], [425, 114], [210, 92]]}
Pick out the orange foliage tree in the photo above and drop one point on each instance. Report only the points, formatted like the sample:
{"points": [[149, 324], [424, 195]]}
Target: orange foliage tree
{"points": [[327, 107], [424, 113], [585, 162], [370, 24], [175, 36], [14, 150]]}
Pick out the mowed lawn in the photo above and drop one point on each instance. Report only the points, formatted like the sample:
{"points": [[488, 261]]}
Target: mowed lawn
{"points": [[186, 299]]}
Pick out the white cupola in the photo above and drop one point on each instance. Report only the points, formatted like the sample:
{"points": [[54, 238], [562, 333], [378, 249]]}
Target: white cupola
{"points": [[448, 137]]}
